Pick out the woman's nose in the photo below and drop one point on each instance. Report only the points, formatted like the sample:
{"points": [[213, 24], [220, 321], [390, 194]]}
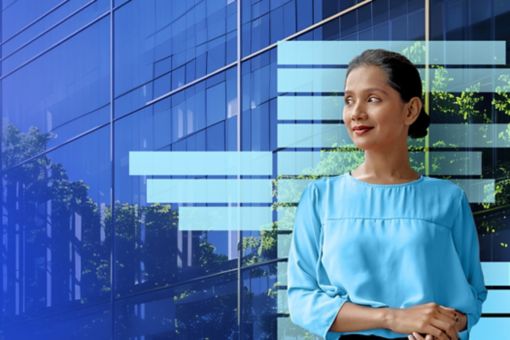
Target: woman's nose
{"points": [[357, 110]]}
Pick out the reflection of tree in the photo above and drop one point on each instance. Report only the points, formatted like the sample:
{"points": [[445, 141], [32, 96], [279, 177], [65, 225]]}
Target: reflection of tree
{"points": [[466, 106], [62, 231], [206, 312], [42, 203]]}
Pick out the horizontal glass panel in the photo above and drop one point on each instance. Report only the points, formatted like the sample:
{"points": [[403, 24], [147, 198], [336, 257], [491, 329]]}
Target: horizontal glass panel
{"points": [[17, 14], [42, 43], [63, 93], [183, 39]]}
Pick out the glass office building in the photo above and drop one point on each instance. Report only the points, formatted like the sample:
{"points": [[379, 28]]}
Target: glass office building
{"points": [[86, 252]]}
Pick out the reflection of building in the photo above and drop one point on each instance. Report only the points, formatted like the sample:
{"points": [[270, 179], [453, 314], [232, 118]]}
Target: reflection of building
{"points": [[109, 77]]}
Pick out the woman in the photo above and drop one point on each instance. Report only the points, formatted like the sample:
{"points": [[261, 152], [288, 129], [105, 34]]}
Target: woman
{"points": [[384, 252]]}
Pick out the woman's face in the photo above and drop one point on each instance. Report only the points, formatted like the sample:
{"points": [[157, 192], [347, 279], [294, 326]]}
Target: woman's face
{"points": [[369, 100]]}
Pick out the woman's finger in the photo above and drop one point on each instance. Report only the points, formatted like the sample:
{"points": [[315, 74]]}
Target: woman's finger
{"points": [[417, 336], [450, 312]]}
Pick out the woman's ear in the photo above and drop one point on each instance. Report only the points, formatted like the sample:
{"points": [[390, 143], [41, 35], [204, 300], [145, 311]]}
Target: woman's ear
{"points": [[413, 110]]}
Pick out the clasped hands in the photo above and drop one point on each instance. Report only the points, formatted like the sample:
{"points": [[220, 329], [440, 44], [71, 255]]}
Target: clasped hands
{"points": [[435, 321]]}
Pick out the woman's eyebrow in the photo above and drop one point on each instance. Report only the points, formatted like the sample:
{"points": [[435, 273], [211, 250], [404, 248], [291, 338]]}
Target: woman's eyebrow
{"points": [[372, 89]]}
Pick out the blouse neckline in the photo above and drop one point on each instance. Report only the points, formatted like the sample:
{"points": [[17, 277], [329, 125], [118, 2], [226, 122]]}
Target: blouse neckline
{"points": [[383, 185]]}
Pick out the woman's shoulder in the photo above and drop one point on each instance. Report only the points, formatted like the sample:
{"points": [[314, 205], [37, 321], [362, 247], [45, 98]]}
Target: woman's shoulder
{"points": [[444, 186]]}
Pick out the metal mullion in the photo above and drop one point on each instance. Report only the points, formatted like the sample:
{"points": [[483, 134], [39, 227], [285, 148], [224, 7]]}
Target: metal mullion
{"points": [[113, 278], [239, 234], [79, 30], [33, 22], [37, 36]]}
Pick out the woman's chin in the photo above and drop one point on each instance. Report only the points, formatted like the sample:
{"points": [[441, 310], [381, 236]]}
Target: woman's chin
{"points": [[365, 146]]}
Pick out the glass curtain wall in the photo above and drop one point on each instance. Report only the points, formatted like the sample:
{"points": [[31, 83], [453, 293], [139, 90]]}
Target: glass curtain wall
{"points": [[86, 249]]}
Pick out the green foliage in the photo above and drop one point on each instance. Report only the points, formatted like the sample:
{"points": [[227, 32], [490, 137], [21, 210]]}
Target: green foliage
{"points": [[501, 100]]}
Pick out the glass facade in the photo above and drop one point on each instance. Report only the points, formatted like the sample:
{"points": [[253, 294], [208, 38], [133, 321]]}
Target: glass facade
{"points": [[86, 251]]}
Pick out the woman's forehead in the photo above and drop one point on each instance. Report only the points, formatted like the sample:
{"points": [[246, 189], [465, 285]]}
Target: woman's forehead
{"points": [[366, 78]]}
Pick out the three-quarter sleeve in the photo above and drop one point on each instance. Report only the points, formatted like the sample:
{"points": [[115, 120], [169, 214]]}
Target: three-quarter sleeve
{"points": [[310, 307], [465, 237]]}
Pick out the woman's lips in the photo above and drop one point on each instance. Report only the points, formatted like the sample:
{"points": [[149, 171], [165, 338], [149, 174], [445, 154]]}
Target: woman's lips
{"points": [[362, 131]]}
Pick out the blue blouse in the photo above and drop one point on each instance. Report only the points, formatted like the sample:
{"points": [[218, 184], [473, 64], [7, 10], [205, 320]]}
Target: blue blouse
{"points": [[382, 245]]}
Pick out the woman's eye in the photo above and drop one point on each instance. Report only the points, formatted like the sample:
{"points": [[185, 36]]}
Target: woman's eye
{"points": [[375, 98]]}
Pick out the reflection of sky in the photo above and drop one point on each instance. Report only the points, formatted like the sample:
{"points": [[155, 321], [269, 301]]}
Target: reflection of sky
{"points": [[66, 85], [19, 13]]}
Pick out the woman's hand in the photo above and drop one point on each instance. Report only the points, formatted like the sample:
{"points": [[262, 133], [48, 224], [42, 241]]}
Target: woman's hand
{"points": [[460, 326], [432, 319]]}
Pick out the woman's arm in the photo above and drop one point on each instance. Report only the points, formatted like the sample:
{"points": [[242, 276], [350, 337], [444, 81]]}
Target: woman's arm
{"points": [[428, 318], [353, 317], [311, 306], [465, 238]]}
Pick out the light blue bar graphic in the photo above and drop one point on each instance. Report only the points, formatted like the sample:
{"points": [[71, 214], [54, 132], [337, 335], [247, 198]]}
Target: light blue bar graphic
{"points": [[496, 273], [310, 107], [440, 52], [486, 328], [165, 163], [445, 135], [281, 273], [311, 135], [468, 135], [498, 301], [282, 304], [225, 218], [332, 79], [477, 190], [209, 191], [308, 162], [283, 245], [285, 218], [310, 80], [491, 328], [290, 190], [489, 269]]}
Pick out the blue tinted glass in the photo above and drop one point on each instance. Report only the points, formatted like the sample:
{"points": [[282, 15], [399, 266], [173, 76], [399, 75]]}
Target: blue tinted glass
{"points": [[260, 294], [265, 22], [90, 322], [18, 14], [206, 309], [348, 25], [151, 250], [216, 137], [57, 233], [231, 134], [304, 13], [399, 28], [259, 87], [182, 38], [54, 17], [216, 108], [15, 56], [64, 92], [283, 21]]}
